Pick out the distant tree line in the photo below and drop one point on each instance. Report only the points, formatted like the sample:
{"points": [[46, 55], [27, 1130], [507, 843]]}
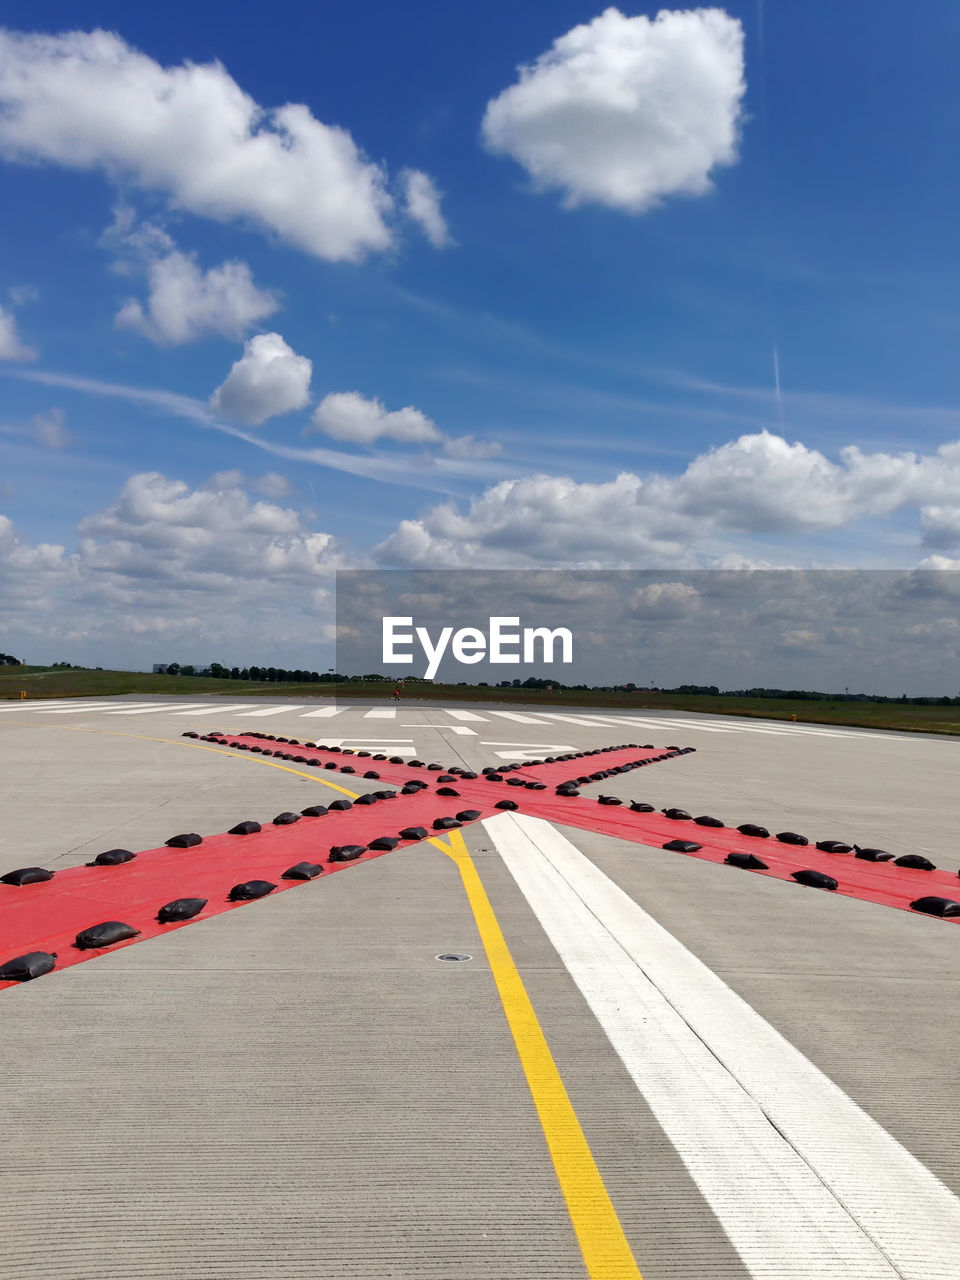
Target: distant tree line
{"points": [[280, 675], [272, 675], [812, 695], [8, 660]]}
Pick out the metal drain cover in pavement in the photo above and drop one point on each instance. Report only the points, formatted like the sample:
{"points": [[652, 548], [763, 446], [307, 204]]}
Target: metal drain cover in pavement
{"points": [[454, 955]]}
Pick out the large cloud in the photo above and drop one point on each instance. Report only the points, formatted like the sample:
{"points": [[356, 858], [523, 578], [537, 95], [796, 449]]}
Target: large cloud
{"points": [[11, 348], [200, 568], [268, 379], [625, 111], [186, 302], [756, 485], [161, 530], [87, 100]]}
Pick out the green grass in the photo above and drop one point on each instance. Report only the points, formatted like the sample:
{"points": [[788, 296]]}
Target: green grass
{"points": [[39, 682]]}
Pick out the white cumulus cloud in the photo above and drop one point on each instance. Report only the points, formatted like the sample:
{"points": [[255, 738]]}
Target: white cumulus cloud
{"points": [[11, 348], [756, 485], [421, 203], [186, 302], [347, 415], [199, 565], [268, 379], [624, 111], [89, 101]]}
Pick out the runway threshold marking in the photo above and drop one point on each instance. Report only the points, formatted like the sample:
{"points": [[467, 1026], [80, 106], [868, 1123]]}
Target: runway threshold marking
{"points": [[602, 1241], [804, 1183]]}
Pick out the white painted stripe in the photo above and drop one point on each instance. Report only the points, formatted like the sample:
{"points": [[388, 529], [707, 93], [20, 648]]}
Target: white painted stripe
{"points": [[37, 704], [464, 715], [92, 706], [512, 715], [381, 713], [804, 1183], [579, 720], [655, 722], [783, 727], [151, 709], [273, 711], [217, 706], [520, 755], [323, 714], [366, 740], [463, 730], [541, 746]]}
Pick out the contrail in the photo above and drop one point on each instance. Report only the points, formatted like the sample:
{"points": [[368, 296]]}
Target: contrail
{"points": [[776, 383]]}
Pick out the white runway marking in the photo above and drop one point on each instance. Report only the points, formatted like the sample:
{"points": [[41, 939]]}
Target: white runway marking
{"points": [[675, 724], [581, 720], [178, 707], [668, 726], [462, 730], [216, 708], [272, 711], [804, 1183], [355, 739], [513, 715], [77, 708], [662, 728], [36, 704], [535, 754]]}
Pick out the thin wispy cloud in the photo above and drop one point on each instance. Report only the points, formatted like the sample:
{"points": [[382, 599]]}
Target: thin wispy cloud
{"points": [[433, 474]]}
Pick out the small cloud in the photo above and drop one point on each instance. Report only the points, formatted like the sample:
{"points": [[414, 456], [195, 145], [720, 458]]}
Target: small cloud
{"points": [[21, 294], [11, 348], [421, 204], [184, 302], [269, 379], [471, 447], [48, 429], [347, 415]]}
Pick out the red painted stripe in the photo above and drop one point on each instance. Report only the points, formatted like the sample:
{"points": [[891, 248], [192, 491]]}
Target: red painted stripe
{"points": [[879, 882], [48, 916]]}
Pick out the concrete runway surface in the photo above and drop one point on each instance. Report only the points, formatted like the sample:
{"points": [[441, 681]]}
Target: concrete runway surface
{"points": [[649, 1066]]}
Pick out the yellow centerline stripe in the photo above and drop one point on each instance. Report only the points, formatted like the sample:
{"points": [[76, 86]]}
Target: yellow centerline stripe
{"points": [[601, 1237], [198, 746]]}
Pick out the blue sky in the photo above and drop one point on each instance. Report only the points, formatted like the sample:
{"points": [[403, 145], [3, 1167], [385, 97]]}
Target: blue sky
{"points": [[570, 345]]}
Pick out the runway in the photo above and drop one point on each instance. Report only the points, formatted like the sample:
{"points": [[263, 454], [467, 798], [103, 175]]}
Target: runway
{"points": [[647, 1065]]}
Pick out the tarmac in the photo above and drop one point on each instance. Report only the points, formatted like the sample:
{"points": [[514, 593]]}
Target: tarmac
{"points": [[647, 1065]]}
